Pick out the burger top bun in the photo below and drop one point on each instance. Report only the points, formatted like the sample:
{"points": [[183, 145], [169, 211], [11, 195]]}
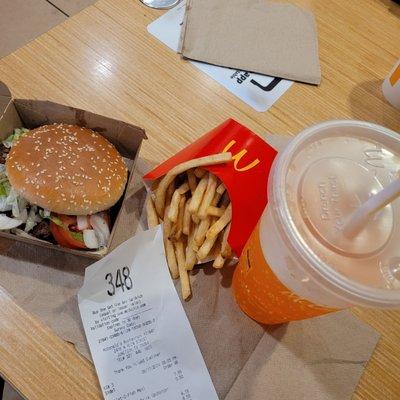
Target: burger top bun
{"points": [[67, 169]]}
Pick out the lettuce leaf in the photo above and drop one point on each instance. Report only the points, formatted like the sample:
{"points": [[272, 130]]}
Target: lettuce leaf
{"points": [[16, 135], [77, 236]]}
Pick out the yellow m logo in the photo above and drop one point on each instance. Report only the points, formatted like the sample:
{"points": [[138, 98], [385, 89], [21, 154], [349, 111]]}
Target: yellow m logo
{"points": [[238, 156]]}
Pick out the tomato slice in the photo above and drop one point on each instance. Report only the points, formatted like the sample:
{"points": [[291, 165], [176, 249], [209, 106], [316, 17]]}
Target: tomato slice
{"points": [[65, 235]]}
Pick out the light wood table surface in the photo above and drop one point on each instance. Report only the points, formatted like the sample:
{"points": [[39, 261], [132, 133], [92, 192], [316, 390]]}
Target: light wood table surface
{"points": [[104, 60]]}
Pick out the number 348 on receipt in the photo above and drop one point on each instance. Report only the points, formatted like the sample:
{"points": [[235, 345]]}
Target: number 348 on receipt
{"points": [[121, 280]]}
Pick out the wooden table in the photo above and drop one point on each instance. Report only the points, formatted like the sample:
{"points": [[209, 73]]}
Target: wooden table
{"points": [[104, 60]]}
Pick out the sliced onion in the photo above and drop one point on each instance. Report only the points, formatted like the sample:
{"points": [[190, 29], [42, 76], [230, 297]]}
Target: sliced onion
{"points": [[23, 215], [4, 206], [32, 219], [82, 222], [9, 223], [90, 239], [100, 226]]}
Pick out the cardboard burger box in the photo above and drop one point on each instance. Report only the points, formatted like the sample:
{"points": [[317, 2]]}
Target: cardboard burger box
{"points": [[127, 138]]}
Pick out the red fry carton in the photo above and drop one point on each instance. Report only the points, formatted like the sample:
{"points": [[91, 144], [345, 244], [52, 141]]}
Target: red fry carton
{"points": [[245, 178]]}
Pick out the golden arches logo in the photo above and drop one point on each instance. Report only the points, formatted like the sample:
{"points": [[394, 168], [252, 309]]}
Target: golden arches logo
{"points": [[238, 156]]}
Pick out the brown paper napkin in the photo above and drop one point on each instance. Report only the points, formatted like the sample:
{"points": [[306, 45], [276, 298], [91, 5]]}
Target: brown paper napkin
{"points": [[319, 359], [246, 360], [254, 35], [324, 356]]}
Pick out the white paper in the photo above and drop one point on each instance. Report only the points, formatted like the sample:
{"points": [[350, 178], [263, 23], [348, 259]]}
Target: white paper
{"points": [[258, 91], [140, 339]]}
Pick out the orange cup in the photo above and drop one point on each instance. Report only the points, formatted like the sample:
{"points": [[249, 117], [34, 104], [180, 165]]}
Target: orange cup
{"points": [[391, 86], [298, 262], [261, 295]]}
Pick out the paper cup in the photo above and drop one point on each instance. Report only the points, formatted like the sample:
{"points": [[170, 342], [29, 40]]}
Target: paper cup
{"points": [[391, 86], [297, 263]]}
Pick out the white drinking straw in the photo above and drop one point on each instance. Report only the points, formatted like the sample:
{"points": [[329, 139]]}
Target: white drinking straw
{"points": [[359, 219]]}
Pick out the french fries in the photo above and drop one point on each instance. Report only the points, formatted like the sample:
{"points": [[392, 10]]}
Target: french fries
{"points": [[225, 251], [208, 196], [218, 226], [169, 248], [152, 217], [196, 211], [183, 274], [215, 211], [191, 258], [181, 213], [201, 231], [198, 196], [219, 262], [225, 248], [187, 219], [174, 172], [205, 248], [174, 207]]}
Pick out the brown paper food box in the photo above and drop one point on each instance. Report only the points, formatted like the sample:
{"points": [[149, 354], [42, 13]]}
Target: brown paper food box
{"points": [[17, 113]]}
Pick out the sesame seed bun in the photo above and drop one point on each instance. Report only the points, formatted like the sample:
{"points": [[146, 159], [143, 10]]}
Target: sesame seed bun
{"points": [[67, 169]]}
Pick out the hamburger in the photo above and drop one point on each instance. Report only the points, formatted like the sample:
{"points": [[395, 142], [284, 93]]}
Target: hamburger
{"points": [[58, 183]]}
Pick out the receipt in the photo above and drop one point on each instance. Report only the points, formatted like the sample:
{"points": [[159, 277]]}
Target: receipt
{"points": [[139, 336]]}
